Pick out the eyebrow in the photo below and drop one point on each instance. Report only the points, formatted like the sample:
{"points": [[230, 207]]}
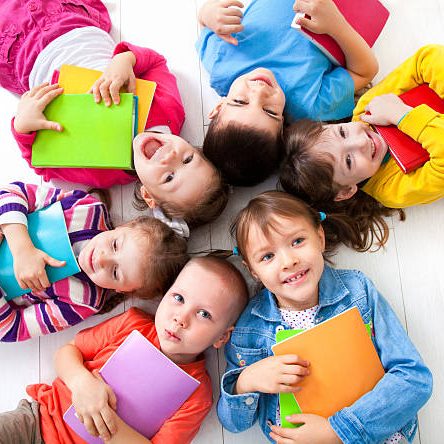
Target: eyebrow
{"points": [[239, 105]]}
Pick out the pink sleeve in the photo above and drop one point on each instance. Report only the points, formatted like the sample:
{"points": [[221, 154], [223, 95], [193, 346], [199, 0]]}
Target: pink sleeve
{"points": [[167, 108], [100, 178]]}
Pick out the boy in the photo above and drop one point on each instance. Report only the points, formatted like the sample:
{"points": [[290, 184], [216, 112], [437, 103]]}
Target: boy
{"points": [[198, 311]]}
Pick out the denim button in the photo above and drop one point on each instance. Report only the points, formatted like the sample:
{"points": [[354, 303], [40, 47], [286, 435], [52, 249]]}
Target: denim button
{"points": [[280, 328], [249, 400]]}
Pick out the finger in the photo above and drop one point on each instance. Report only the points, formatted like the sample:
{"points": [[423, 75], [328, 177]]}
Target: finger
{"points": [[368, 118], [114, 90], [230, 29], [284, 388], [297, 370], [233, 12], [294, 359], [90, 426], [22, 284], [290, 379], [53, 262], [50, 125], [45, 90], [229, 3], [50, 96], [34, 285], [104, 92], [278, 439], [109, 418], [37, 88], [101, 427], [112, 400], [132, 85], [43, 280], [299, 418], [96, 90], [306, 23], [229, 39], [232, 20]]}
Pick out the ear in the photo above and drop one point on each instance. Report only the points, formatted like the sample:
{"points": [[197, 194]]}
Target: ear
{"points": [[321, 235], [346, 193], [147, 197], [216, 110], [224, 338], [250, 270]]}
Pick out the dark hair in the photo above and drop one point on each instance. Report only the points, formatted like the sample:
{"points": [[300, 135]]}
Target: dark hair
{"points": [[357, 222], [164, 254], [210, 205], [245, 155]]}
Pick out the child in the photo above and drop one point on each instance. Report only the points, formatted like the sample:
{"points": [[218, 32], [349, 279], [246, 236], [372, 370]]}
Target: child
{"points": [[266, 60], [198, 311], [37, 38], [281, 241], [140, 258], [346, 170]]}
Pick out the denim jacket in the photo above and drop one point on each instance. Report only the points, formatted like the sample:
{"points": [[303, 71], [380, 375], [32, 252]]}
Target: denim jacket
{"points": [[390, 407]]}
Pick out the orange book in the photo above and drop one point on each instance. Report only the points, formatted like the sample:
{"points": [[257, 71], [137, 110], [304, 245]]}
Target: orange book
{"points": [[78, 80], [344, 364]]}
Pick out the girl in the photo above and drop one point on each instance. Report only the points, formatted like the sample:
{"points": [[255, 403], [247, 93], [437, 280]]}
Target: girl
{"points": [[266, 63], [282, 243], [36, 38], [345, 169], [140, 258]]}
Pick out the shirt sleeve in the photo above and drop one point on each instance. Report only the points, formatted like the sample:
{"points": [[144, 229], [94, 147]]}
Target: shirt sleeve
{"points": [[167, 108], [406, 378], [100, 178]]}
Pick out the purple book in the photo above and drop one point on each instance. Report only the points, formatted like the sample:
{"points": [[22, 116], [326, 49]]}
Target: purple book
{"points": [[149, 387]]}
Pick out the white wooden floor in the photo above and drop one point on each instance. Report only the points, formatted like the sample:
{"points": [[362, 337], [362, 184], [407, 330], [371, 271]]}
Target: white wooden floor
{"points": [[409, 272]]}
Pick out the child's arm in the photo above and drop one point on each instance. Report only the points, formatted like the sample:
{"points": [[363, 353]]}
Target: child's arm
{"points": [[93, 400], [327, 19], [223, 18]]}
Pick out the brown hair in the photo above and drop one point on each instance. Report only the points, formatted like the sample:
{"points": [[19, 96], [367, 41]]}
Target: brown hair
{"points": [[210, 205], [164, 255], [358, 222], [245, 155], [263, 209]]}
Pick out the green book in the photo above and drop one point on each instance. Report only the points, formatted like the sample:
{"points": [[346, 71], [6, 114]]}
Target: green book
{"points": [[93, 136], [47, 230]]}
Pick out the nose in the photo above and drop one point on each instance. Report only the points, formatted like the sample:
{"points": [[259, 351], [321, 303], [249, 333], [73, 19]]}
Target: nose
{"points": [[103, 259], [169, 157], [289, 258], [181, 320]]}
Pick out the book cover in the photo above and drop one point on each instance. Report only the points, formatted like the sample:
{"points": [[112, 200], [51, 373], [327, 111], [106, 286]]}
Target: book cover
{"points": [[78, 80], [149, 387], [47, 230], [93, 136], [407, 152], [367, 17], [344, 364]]}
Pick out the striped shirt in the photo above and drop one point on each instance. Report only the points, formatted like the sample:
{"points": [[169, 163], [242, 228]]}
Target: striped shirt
{"points": [[66, 302]]}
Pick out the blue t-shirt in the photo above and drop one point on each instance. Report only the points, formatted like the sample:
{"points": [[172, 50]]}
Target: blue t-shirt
{"points": [[313, 86]]}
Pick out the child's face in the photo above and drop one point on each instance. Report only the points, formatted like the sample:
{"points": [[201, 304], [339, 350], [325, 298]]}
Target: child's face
{"points": [[255, 99], [191, 317], [288, 261], [109, 260], [171, 169], [356, 149]]}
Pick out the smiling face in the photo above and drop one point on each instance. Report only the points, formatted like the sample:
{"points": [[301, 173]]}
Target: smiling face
{"points": [[170, 169], [357, 151], [195, 313], [288, 261], [256, 100], [108, 260]]}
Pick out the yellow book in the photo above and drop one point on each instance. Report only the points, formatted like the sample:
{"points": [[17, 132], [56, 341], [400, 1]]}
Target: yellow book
{"points": [[77, 80]]}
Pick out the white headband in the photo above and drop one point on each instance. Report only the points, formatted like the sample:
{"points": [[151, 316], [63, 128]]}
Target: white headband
{"points": [[179, 226]]}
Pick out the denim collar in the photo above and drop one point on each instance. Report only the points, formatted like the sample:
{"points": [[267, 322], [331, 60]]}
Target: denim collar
{"points": [[331, 291]]}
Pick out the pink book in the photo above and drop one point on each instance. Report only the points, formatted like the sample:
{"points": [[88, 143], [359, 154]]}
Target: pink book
{"points": [[367, 17], [149, 387]]}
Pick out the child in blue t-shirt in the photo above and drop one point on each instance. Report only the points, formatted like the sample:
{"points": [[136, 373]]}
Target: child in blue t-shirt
{"points": [[267, 66]]}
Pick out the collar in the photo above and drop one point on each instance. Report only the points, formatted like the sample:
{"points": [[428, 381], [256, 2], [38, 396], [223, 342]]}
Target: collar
{"points": [[164, 129], [331, 291]]}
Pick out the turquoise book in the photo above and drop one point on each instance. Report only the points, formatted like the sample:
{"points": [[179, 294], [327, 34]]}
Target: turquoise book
{"points": [[48, 232], [93, 136]]}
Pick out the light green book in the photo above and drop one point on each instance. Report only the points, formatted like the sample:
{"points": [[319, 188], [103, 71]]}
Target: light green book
{"points": [[93, 136]]}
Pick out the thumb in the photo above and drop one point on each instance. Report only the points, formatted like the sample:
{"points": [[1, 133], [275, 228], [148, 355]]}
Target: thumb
{"points": [[112, 400], [300, 418], [50, 125], [306, 23], [53, 262], [229, 39], [368, 118]]}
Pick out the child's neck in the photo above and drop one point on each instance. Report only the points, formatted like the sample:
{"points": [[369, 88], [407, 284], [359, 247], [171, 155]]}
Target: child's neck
{"points": [[181, 358]]}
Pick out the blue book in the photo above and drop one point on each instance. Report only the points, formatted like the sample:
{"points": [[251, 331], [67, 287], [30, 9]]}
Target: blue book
{"points": [[48, 232]]}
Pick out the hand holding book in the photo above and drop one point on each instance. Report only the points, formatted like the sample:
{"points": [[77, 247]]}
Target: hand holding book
{"points": [[387, 109]]}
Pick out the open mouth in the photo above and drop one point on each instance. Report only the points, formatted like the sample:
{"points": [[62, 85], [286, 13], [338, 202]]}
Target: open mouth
{"points": [[147, 145], [373, 145], [296, 277]]}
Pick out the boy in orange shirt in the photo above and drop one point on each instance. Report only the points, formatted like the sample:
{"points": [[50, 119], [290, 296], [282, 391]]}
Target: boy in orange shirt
{"points": [[198, 311]]}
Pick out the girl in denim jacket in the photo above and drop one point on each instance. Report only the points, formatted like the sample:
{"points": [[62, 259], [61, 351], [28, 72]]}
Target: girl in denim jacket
{"points": [[282, 243]]}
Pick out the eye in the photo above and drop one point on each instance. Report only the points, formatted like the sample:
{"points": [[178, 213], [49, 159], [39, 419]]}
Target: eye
{"points": [[115, 245], [348, 161], [240, 102], [115, 273], [169, 178], [297, 242], [204, 314], [188, 159], [179, 298], [269, 111], [267, 257], [342, 132]]}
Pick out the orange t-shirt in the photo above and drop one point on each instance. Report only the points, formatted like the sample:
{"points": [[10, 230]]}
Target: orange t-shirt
{"points": [[96, 345]]}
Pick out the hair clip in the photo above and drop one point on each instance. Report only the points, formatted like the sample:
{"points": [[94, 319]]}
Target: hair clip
{"points": [[322, 216], [179, 226], [236, 251]]}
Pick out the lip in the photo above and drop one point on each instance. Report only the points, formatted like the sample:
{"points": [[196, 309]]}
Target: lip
{"points": [[91, 262], [296, 278], [262, 78], [375, 145], [171, 336], [147, 145]]}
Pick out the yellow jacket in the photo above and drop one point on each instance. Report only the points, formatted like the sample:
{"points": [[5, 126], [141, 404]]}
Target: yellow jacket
{"points": [[389, 185]]}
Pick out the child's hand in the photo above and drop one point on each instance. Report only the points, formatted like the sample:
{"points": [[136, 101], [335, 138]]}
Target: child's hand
{"points": [[387, 109], [315, 430], [95, 404], [30, 109], [29, 268], [324, 15], [275, 374], [222, 18], [118, 73]]}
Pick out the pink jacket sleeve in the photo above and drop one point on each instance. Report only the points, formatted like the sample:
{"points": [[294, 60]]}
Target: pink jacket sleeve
{"points": [[99, 178], [167, 108]]}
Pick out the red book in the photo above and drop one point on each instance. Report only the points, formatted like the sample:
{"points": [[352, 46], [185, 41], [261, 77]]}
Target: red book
{"points": [[408, 153], [367, 17]]}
